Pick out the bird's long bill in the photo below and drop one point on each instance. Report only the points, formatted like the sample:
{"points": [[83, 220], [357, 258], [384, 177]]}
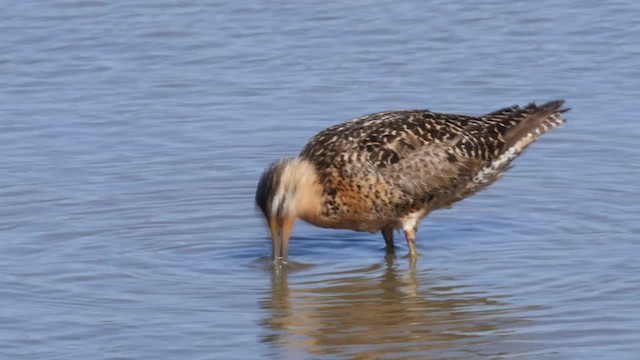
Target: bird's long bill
{"points": [[280, 232]]}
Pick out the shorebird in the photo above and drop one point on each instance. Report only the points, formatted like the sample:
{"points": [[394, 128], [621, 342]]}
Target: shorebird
{"points": [[388, 170]]}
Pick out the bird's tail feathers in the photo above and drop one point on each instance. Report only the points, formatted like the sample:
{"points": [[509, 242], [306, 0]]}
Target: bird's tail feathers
{"points": [[539, 120]]}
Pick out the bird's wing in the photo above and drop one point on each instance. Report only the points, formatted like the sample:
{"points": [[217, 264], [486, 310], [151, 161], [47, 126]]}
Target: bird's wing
{"points": [[410, 149], [476, 151], [422, 152]]}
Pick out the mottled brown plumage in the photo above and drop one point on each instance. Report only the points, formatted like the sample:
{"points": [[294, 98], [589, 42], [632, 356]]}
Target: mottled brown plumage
{"points": [[389, 170]]}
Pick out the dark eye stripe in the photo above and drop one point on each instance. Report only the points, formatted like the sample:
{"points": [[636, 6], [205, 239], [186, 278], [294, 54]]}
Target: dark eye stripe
{"points": [[280, 208]]}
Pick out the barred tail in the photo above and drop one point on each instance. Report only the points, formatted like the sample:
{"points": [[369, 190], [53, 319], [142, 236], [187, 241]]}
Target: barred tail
{"points": [[543, 118], [536, 121]]}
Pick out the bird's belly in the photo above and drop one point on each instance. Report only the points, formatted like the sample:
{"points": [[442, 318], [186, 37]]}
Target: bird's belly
{"points": [[369, 224]]}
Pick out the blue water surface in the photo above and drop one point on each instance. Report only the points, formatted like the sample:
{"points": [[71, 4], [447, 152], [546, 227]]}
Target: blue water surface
{"points": [[132, 135]]}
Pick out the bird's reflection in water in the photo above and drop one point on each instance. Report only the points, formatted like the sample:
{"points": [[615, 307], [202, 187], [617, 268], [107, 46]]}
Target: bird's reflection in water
{"points": [[385, 311]]}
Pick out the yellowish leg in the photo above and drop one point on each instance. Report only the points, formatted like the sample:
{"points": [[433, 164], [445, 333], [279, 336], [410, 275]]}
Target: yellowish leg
{"points": [[411, 241], [387, 234]]}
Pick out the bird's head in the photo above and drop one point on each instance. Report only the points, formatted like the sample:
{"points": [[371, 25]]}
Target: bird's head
{"points": [[288, 189]]}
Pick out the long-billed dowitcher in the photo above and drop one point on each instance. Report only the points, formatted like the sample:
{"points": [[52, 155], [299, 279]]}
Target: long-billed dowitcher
{"points": [[389, 170]]}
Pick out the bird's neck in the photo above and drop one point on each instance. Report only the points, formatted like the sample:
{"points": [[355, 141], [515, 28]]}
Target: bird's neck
{"points": [[301, 182]]}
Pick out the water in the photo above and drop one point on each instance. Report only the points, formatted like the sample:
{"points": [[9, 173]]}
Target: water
{"points": [[132, 135]]}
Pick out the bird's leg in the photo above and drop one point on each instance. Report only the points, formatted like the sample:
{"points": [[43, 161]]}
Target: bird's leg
{"points": [[387, 234], [410, 234]]}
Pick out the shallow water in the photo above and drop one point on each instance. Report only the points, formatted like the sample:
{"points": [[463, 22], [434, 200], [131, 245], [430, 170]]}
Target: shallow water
{"points": [[132, 136]]}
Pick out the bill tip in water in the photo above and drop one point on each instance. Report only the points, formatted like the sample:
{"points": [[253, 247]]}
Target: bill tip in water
{"points": [[278, 262]]}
